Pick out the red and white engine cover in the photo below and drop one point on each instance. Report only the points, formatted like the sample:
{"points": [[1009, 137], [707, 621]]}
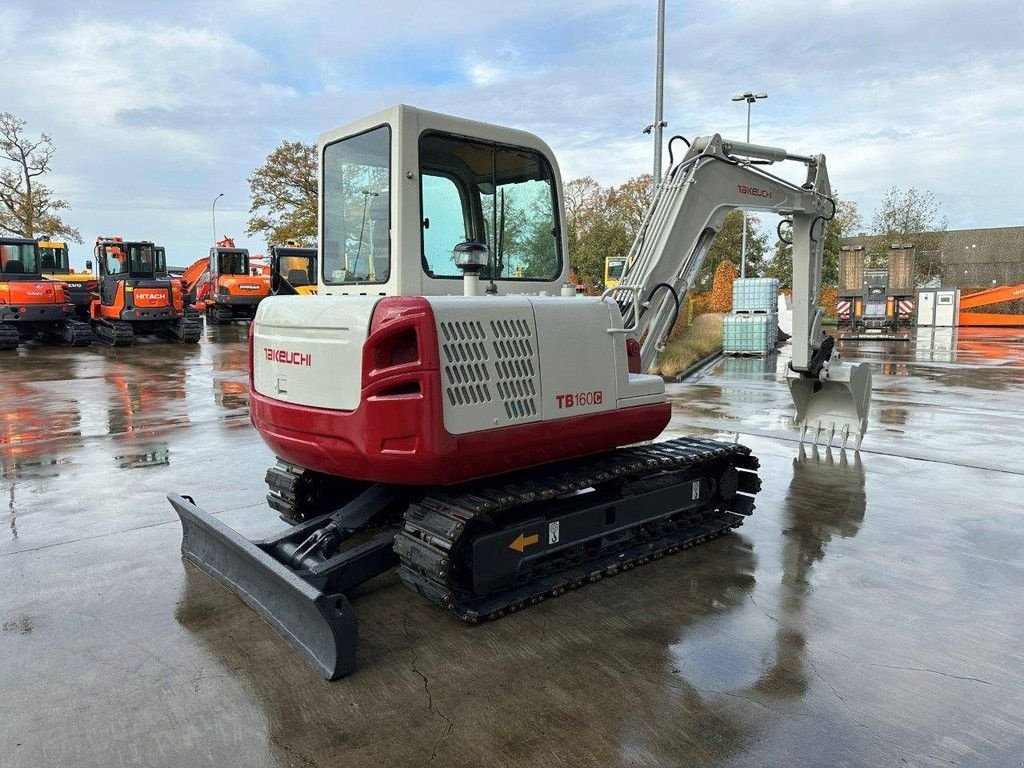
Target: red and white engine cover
{"points": [[438, 390]]}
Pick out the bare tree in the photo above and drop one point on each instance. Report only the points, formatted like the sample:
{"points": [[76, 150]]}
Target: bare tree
{"points": [[29, 208]]}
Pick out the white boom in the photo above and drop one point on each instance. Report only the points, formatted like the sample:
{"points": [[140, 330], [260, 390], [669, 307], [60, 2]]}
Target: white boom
{"points": [[690, 204]]}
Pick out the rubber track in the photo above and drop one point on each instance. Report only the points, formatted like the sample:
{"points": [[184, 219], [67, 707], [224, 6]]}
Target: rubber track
{"points": [[288, 487], [299, 494], [218, 315], [9, 337], [189, 331], [115, 333], [75, 333], [434, 526]]}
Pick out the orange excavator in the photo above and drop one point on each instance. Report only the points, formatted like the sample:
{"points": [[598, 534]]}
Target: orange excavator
{"points": [[998, 295], [136, 295], [225, 284], [30, 304]]}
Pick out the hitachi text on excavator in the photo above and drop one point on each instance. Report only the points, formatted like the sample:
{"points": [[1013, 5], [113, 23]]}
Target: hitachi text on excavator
{"points": [[446, 404]]}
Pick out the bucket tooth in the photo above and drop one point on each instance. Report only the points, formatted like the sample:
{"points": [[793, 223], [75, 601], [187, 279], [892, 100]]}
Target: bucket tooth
{"points": [[321, 627]]}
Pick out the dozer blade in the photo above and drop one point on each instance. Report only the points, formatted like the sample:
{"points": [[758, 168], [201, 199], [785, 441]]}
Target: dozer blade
{"points": [[833, 405], [321, 627]]}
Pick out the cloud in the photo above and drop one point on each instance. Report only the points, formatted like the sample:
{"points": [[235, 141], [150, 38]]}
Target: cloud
{"points": [[156, 108]]}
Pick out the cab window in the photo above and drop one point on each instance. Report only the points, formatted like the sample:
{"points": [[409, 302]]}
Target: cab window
{"points": [[114, 261], [356, 208], [18, 258], [501, 196], [444, 224]]}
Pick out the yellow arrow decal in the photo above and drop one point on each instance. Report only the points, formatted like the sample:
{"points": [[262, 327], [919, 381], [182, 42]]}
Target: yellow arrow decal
{"points": [[522, 542]]}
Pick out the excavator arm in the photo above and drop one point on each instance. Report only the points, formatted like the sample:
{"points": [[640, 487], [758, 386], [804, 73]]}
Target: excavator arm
{"points": [[689, 207]]}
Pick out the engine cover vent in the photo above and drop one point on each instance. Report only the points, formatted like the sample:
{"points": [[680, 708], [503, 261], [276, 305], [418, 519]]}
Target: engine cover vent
{"points": [[464, 348], [489, 355], [513, 350]]}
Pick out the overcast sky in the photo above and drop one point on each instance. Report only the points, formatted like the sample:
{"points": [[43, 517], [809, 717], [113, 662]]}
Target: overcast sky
{"points": [[157, 107]]}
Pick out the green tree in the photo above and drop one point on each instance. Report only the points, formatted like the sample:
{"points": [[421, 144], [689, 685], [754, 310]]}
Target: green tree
{"points": [[780, 265], [727, 245], [910, 216], [28, 207], [284, 195], [845, 223], [603, 222]]}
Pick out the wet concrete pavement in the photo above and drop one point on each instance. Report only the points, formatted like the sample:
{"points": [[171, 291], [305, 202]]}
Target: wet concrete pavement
{"points": [[869, 613]]}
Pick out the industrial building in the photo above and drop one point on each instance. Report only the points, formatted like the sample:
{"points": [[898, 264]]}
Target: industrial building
{"points": [[965, 258]]}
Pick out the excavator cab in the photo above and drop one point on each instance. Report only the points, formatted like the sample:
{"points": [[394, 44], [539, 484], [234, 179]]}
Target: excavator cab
{"points": [[32, 305], [53, 257], [229, 261], [136, 296], [613, 268], [55, 265], [233, 292], [292, 271]]}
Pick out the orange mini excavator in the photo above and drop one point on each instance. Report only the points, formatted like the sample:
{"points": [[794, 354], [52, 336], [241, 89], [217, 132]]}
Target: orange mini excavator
{"points": [[136, 295], [225, 284], [30, 304]]}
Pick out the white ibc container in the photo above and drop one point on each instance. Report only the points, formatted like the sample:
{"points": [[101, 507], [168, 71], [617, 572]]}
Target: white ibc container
{"points": [[751, 334], [755, 294]]}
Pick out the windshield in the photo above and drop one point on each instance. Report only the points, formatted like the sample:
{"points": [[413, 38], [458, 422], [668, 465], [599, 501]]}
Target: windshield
{"points": [[112, 260], [357, 208], [143, 257], [53, 257], [297, 267], [232, 262], [615, 269], [489, 193], [19, 258], [128, 258]]}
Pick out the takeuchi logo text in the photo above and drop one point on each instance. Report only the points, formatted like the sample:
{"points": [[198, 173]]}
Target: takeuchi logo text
{"points": [[754, 191], [287, 357]]}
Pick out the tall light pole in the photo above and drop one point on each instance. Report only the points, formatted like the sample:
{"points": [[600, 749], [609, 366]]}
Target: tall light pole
{"points": [[750, 98], [659, 95], [213, 214]]}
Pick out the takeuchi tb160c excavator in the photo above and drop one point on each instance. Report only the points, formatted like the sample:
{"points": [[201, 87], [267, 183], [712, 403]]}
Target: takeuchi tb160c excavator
{"points": [[448, 397]]}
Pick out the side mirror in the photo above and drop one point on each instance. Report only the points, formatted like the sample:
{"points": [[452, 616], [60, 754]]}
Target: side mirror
{"points": [[88, 265]]}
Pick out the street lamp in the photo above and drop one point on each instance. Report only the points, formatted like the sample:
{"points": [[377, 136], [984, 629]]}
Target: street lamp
{"points": [[750, 97], [659, 94], [213, 214]]}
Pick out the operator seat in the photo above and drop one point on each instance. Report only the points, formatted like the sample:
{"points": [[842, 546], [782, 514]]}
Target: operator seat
{"points": [[14, 268], [298, 277]]}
